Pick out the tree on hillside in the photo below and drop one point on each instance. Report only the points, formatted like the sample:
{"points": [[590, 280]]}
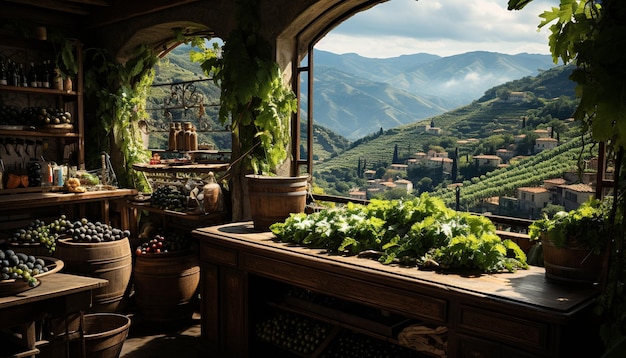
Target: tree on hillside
{"points": [[455, 168], [395, 155]]}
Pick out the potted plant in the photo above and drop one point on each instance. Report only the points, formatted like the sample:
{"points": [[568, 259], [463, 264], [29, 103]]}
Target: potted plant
{"points": [[258, 106], [574, 243]]}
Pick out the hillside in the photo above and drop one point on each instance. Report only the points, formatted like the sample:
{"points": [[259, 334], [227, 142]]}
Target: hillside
{"points": [[479, 120], [531, 171], [357, 96]]}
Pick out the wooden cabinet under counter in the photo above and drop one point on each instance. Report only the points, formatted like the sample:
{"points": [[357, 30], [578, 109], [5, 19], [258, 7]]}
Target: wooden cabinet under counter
{"points": [[491, 315]]}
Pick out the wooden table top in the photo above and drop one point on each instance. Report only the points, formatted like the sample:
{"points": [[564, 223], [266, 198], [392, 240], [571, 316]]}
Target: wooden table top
{"points": [[528, 287], [28, 200], [51, 286]]}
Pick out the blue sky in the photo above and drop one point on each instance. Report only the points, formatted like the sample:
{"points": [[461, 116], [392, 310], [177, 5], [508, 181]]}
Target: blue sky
{"points": [[441, 27]]}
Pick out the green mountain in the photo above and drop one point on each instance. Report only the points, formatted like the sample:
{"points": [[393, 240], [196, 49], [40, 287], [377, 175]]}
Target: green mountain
{"points": [[356, 96], [488, 121]]}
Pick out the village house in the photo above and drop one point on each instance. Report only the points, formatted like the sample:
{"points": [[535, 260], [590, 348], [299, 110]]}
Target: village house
{"points": [[545, 144], [439, 162], [573, 195], [486, 160], [399, 167], [404, 183], [504, 154], [533, 199], [358, 194]]}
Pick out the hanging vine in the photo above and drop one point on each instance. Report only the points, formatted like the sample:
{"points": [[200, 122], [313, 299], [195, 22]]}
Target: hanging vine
{"points": [[253, 95], [119, 92]]}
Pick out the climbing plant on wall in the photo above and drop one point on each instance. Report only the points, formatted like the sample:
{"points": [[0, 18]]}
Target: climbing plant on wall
{"points": [[118, 92]]}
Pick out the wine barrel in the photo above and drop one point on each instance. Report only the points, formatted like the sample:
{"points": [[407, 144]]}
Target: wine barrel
{"points": [[110, 260], [572, 265], [165, 285], [273, 198]]}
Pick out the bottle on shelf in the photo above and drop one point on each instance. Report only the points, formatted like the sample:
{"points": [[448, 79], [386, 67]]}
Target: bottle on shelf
{"points": [[14, 76], [193, 139], [31, 76], [23, 80], [171, 143], [180, 137], [45, 74], [187, 135], [3, 73]]}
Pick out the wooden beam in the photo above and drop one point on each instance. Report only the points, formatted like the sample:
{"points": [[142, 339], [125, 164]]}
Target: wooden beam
{"points": [[125, 10], [91, 2], [54, 5]]}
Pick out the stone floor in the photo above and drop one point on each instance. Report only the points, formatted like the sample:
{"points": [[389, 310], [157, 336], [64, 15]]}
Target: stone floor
{"points": [[151, 340]]}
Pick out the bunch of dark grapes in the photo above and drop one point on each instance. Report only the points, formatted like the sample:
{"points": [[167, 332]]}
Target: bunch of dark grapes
{"points": [[169, 198], [162, 243], [87, 231], [19, 266]]}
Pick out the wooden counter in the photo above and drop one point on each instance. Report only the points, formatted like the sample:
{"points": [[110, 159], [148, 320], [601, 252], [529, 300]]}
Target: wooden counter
{"points": [[490, 315], [57, 295]]}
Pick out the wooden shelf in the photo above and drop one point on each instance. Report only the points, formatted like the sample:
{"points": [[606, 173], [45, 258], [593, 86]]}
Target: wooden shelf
{"points": [[36, 133], [47, 91], [187, 168], [183, 215]]}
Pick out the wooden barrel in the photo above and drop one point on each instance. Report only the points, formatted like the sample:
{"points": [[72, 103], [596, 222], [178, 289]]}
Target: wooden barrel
{"points": [[111, 260], [273, 198], [35, 249], [571, 264], [165, 285]]}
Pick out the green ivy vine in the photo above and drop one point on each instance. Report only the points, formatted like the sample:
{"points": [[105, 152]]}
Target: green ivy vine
{"points": [[253, 98], [119, 92], [592, 34]]}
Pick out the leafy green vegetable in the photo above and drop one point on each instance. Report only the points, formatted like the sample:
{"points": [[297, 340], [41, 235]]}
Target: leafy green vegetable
{"points": [[585, 226], [420, 231]]}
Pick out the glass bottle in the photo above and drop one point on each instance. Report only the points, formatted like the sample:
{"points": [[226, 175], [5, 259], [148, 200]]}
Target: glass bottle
{"points": [[23, 80], [171, 143], [187, 136], [45, 75], [31, 76], [48, 72], [13, 75], [3, 73], [180, 137], [193, 139]]}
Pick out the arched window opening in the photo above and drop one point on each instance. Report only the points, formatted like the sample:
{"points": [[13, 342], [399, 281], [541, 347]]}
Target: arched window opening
{"points": [[183, 95]]}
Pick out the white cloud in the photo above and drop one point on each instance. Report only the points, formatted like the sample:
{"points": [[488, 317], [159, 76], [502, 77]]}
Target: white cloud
{"points": [[441, 27]]}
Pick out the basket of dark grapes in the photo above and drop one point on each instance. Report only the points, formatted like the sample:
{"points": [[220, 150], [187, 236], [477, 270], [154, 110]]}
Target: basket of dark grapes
{"points": [[20, 272]]}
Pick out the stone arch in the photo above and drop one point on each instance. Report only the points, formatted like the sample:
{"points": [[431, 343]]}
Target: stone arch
{"points": [[158, 29]]}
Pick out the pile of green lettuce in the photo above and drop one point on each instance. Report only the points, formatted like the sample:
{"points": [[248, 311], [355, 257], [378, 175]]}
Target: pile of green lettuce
{"points": [[420, 231]]}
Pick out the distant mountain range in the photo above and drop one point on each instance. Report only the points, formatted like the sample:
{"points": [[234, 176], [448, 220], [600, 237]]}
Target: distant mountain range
{"points": [[357, 96]]}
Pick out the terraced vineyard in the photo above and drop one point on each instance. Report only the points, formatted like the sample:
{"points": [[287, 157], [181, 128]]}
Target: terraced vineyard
{"points": [[531, 171]]}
